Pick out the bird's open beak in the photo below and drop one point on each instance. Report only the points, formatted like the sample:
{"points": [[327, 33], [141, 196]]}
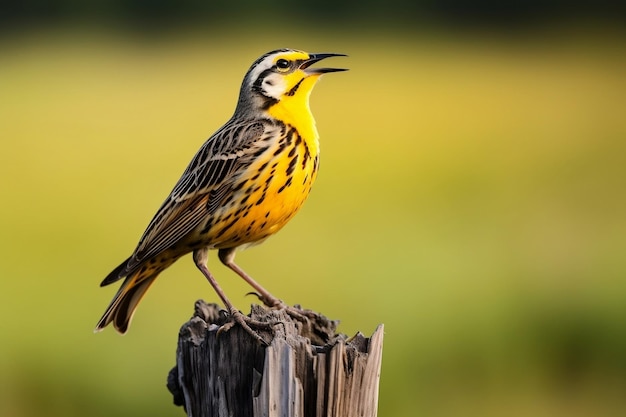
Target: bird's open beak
{"points": [[313, 58]]}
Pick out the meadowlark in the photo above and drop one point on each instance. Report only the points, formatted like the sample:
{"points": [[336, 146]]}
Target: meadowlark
{"points": [[243, 185]]}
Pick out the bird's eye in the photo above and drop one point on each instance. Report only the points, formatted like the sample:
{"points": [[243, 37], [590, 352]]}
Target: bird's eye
{"points": [[283, 65]]}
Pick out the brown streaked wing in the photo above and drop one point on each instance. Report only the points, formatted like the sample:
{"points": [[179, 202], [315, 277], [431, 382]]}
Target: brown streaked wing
{"points": [[214, 167]]}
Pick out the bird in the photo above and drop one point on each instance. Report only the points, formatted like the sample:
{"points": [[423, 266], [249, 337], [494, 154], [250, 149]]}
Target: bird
{"points": [[242, 186]]}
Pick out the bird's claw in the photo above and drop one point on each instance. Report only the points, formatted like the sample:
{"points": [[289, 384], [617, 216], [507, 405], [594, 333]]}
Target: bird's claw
{"points": [[247, 323]]}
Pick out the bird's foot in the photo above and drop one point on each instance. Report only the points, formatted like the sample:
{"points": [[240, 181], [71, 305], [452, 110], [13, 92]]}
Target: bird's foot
{"points": [[247, 323], [294, 312], [297, 313]]}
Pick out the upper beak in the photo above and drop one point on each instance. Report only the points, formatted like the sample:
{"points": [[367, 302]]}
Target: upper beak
{"points": [[313, 58]]}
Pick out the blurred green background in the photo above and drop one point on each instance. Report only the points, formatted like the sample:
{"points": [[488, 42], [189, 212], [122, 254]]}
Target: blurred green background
{"points": [[471, 196]]}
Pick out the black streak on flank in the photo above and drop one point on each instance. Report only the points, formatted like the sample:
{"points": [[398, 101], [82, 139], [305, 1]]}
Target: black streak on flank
{"points": [[225, 228], [284, 142], [285, 185], [264, 192], [292, 165], [258, 173], [259, 152], [295, 88], [238, 186], [307, 152]]}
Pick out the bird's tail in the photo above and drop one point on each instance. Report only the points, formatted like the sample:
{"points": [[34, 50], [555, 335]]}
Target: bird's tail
{"points": [[123, 306]]}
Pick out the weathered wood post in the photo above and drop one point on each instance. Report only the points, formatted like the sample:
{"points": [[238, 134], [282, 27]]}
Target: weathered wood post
{"points": [[306, 370]]}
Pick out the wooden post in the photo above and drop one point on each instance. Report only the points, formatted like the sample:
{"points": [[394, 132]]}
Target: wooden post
{"points": [[306, 370]]}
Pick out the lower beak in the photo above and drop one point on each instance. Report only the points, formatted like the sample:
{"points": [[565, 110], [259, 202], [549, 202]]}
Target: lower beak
{"points": [[313, 58]]}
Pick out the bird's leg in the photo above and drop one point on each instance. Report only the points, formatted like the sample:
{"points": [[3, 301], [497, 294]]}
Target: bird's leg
{"points": [[227, 256], [200, 257]]}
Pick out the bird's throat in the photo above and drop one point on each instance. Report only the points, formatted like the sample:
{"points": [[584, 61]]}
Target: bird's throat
{"points": [[295, 111]]}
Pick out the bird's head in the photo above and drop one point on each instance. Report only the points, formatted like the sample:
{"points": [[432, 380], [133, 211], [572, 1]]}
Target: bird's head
{"points": [[283, 75]]}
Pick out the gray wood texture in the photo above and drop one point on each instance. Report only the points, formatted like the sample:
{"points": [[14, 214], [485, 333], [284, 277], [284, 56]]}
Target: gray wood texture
{"points": [[305, 370]]}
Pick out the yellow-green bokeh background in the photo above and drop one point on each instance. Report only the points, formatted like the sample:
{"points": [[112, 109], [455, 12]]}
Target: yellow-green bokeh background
{"points": [[471, 197]]}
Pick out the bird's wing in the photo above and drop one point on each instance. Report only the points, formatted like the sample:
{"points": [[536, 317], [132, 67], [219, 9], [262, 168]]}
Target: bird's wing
{"points": [[211, 174]]}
